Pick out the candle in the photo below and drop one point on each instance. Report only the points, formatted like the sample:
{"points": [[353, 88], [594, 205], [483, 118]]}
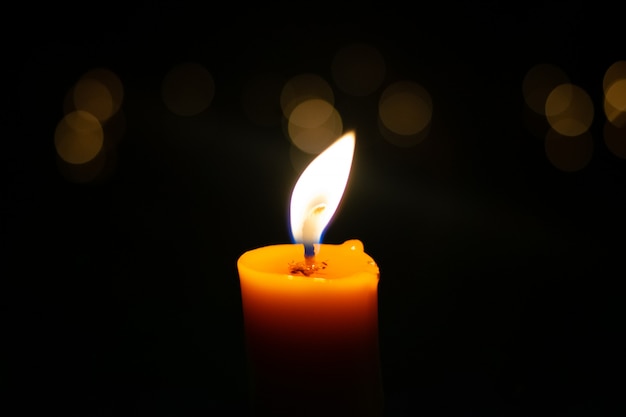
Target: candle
{"points": [[311, 309]]}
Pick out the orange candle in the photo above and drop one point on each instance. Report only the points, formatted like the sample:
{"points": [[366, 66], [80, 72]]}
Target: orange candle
{"points": [[311, 309]]}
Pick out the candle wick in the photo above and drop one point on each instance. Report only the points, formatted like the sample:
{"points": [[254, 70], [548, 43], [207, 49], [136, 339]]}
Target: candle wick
{"points": [[309, 256], [309, 266], [309, 251]]}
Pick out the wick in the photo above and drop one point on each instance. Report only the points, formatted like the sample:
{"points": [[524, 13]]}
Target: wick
{"points": [[308, 267], [309, 255], [309, 252]]}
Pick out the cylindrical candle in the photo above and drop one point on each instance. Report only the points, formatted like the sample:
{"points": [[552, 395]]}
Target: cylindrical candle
{"points": [[312, 334]]}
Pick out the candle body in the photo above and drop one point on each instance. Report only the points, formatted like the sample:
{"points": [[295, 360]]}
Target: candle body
{"points": [[312, 341]]}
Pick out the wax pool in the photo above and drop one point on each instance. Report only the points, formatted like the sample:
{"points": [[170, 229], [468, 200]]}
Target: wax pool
{"points": [[312, 341]]}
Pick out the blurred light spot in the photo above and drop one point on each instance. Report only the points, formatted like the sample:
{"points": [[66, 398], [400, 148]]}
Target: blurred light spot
{"points": [[87, 150], [311, 113], [405, 110], [539, 82], [313, 125], [568, 153], [615, 103], [304, 87], [99, 92], [261, 100], [615, 139], [615, 72], [569, 110], [78, 137], [358, 69], [188, 89], [93, 97]]}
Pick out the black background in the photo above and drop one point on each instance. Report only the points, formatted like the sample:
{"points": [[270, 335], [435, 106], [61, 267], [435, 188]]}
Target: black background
{"points": [[500, 274]]}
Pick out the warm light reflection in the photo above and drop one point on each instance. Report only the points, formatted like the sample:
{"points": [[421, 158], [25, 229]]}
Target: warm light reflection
{"points": [[569, 110], [94, 97], [311, 113], [103, 165], [539, 82], [313, 125], [405, 109], [99, 91], [94, 124], [319, 190], [188, 89], [358, 69], [615, 72], [615, 103], [304, 87], [568, 153], [78, 137]]}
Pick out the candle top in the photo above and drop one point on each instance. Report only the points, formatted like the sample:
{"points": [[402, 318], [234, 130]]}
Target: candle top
{"points": [[337, 262]]}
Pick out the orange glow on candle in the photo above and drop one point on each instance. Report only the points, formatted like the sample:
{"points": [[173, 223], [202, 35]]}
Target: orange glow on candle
{"points": [[338, 300], [312, 334]]}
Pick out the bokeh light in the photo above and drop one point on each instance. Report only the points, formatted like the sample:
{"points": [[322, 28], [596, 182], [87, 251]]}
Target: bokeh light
{"points": [[261, 100], [615, 102], [568, 153], [311, 113], [405, 111], [86, 149], [78, 137], [358, 69], [303, 87], [539, 82], [92, 96], [313, 125], [615, 139], [615, 72], [569, 110], [99, 92], [188, 89], [614, 89]]}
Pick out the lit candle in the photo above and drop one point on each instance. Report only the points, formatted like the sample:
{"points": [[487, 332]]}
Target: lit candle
{"points": [[311, 309]]}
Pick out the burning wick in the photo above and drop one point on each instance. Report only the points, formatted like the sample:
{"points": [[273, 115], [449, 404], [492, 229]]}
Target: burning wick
{"points": [[309, 231]]}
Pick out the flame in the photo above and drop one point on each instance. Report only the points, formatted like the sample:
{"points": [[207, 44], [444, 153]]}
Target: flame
{"points": [[319, 190]]}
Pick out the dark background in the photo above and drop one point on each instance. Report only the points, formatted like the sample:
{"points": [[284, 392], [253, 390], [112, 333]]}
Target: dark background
{"points": [[500, 274]]}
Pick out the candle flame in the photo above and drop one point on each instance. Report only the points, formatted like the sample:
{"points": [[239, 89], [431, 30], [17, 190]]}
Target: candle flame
{"points": [[319, 190]]}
